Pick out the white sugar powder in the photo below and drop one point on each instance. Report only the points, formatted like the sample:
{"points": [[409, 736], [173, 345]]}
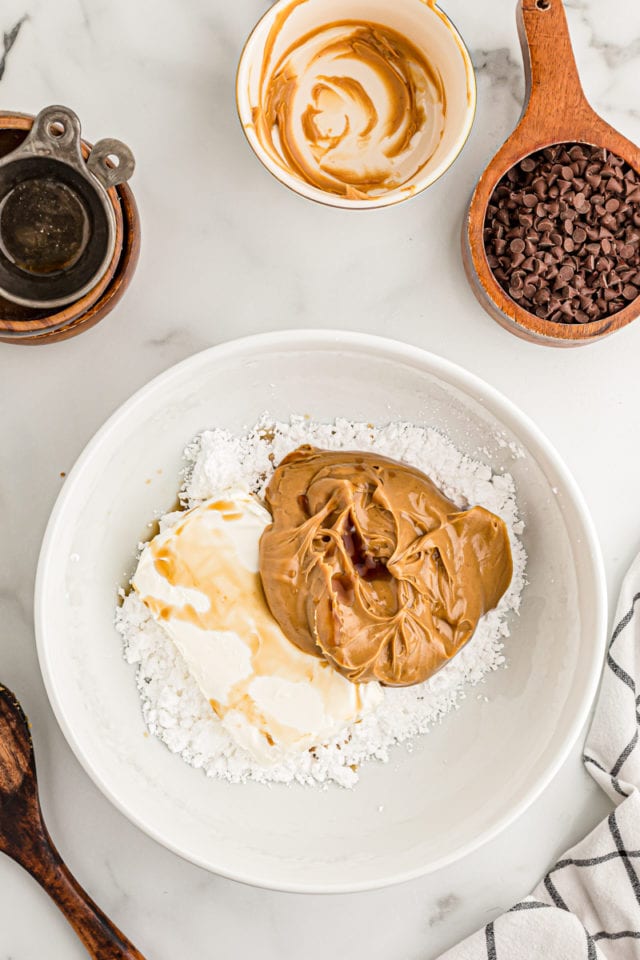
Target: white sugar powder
{"points": [[173, 706]]}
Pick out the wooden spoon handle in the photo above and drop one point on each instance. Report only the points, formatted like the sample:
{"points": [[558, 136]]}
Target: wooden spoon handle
{"points": [[99, 935], [555, 97]]}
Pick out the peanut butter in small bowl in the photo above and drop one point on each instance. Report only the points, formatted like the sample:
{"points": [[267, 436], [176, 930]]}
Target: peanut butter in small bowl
{"points": [[352, 104]]}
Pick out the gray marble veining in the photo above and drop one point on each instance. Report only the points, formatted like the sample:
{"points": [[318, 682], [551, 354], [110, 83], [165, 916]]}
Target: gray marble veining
{"points": [[8, 40]]}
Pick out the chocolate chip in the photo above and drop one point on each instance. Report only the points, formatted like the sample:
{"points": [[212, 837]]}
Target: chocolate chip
{"points": [[540, 187], [541, 296], [566, 273], [580, 203]]}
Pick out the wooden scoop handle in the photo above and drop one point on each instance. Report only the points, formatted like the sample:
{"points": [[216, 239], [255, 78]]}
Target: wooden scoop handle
{"points": [[24, 837], [102, 939], [555, 102]]}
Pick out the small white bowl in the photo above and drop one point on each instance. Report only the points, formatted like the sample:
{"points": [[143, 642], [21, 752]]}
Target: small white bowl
{"points": [[420, 21], [461, 784]]}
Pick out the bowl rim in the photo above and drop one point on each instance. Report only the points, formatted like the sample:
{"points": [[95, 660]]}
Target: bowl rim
{"points": [[379, 346], [389, 199]]}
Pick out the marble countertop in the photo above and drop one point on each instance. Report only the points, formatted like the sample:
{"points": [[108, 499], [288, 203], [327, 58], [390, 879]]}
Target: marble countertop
{"points": [[226, 252]]}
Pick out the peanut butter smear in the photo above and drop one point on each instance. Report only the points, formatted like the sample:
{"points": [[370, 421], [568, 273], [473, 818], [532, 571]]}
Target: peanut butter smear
{"points": [[370, 566], [352, 108]]}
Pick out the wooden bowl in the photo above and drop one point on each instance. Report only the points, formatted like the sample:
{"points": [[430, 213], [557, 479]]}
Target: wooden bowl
{"points": [[28, 326], [556, 111]]}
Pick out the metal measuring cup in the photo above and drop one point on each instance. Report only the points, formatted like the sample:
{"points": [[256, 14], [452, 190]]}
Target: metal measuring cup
{"points": [[57, 222]]}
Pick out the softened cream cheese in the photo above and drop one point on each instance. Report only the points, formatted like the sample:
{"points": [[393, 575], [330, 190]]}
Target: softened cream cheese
{"points": [[200, 580]]}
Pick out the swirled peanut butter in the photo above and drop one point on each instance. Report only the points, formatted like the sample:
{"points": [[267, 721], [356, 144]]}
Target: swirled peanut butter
{"points": [[370, 566], [352, 108]]}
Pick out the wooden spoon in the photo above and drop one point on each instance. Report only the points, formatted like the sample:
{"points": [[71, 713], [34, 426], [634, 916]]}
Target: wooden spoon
{"points": [[25, 838], [556, 111]]}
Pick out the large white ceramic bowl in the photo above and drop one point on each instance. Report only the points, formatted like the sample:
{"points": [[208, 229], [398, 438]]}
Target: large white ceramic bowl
{"points": [[461, 784]]}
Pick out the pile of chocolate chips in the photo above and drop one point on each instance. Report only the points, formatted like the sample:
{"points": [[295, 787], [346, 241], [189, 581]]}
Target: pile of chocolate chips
{"points": [[562, 233]]}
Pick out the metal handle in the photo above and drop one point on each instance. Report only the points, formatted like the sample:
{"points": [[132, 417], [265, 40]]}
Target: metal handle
{"points": [[56, 133], [111, 162]]}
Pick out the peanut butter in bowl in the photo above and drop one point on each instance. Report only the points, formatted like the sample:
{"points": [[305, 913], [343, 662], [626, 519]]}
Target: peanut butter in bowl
{"points": [[353, 104], [353, 109], [369, 565]]}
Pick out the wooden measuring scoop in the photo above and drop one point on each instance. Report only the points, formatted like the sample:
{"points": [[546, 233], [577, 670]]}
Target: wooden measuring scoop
{"points": [[25, 838], [556, 111]]}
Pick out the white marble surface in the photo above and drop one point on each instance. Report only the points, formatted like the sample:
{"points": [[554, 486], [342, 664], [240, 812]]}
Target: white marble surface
{"points": [[227, 251]]}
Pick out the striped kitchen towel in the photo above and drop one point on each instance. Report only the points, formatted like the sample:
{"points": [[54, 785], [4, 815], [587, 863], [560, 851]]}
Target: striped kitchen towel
{"points": [[588, 905]]}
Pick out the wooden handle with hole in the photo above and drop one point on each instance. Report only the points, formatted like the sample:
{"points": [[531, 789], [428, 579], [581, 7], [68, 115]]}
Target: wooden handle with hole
{"points": [[554, 92]]}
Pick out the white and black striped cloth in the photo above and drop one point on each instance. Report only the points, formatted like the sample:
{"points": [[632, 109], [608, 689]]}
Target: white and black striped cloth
{"points": [[588, 905]]}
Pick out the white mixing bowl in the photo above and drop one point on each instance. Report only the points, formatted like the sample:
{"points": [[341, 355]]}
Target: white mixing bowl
{"points": [[461, 784]]}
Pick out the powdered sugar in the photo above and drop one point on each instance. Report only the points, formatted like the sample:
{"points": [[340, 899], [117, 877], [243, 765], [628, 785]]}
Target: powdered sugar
{"points": [[176, 711]]}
